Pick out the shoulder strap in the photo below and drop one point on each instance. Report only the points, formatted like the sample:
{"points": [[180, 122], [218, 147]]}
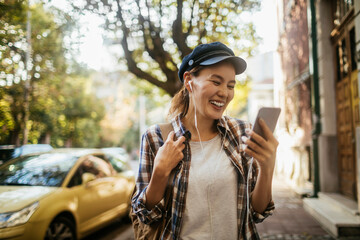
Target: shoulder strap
{"points": [[165, 128]]}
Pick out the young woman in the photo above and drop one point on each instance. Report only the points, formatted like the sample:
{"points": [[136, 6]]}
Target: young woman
{"points": [[214, 195]]}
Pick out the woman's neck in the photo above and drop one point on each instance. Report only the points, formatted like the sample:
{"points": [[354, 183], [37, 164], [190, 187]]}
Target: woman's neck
{"points": [[206, 127]]}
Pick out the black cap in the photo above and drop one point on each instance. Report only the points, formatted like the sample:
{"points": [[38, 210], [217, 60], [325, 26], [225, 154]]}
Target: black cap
{"points": [[209, 54]]}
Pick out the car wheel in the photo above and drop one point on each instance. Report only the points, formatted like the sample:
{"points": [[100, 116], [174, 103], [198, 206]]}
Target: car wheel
{"points": [[61, 229]]}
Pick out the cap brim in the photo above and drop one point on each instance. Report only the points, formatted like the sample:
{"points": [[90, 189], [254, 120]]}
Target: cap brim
{"points": [[239, 63]]}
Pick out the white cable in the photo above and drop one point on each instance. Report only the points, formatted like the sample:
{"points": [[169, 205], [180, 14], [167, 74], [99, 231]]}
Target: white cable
{"points": [[247, 188], [197, 129], [202, 152]]}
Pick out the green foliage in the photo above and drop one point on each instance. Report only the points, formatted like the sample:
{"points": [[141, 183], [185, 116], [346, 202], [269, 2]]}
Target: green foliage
{"points": [[7, 122], [131, 138], [155, 35], [62, 109], [238, 106]]}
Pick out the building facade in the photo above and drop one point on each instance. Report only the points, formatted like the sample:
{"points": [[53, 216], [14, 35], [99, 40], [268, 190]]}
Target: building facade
{"points": [[320, 49], [294, 95]]}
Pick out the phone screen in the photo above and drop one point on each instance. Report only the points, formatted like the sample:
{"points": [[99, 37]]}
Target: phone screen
{"points": [[270, 115]]}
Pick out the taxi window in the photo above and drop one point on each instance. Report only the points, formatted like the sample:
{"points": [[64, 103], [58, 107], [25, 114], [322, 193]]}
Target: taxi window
{"points": [[94, 165]]}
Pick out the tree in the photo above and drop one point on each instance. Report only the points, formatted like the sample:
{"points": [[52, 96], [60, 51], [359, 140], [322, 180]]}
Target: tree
{"points": [[156, 34], [61, 111]]}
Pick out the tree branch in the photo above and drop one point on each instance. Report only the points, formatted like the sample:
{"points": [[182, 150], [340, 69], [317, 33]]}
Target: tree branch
{"points": [[157, 51], [190, 21], [203, 32], [132, 66], [178, 34]]}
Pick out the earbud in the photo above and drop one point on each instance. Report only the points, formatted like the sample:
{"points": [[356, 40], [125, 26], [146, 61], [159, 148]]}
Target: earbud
{"points": [[190, 83]]}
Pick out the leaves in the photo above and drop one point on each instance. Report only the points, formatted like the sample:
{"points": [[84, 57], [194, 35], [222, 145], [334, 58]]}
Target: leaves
{"points": [[155, 35], [62, 110]]}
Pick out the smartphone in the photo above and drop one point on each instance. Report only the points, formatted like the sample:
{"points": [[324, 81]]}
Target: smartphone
{"points": [[270, 115]]}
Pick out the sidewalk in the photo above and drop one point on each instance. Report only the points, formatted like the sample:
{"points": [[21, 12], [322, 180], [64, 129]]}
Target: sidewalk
{"points": [[290, 220]]}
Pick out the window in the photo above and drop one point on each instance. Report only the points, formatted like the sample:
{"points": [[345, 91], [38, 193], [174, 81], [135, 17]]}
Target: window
{"points": [[94, 165]]}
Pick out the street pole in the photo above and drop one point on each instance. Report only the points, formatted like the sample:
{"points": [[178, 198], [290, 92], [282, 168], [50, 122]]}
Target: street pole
{"points": [[316, 100], [28, 76]]}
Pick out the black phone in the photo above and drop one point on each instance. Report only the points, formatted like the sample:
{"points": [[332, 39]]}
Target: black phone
{"points": [[270, 115]]}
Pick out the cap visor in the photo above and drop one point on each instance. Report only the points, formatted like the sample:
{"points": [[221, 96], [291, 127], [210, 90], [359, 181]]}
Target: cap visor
{"points": [[239, 63]]}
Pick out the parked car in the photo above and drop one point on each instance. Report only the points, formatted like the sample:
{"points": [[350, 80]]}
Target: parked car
{"points": [[117, 151], [63, 194], [8, 152]]}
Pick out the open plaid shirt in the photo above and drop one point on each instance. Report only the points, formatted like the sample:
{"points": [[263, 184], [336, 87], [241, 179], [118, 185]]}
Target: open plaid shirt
{"points": [[152, 141]]}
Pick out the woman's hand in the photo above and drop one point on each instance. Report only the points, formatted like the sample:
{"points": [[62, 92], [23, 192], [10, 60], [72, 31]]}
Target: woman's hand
{"points": [[167, 157], [169, 154], [263, 150]]}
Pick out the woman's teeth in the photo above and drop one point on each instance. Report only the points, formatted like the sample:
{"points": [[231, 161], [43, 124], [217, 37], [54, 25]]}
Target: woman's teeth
{"points": [[219, 104]]}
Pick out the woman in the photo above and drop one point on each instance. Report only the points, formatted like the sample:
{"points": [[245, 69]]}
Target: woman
{"points": [[206, 153]]}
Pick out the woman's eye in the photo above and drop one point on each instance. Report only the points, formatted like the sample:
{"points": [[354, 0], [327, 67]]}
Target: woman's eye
{"points": [[231, 87], [216, 83]]}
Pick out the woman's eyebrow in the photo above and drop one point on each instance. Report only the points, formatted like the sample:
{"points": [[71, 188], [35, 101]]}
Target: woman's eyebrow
{"points": [[216, 76]]}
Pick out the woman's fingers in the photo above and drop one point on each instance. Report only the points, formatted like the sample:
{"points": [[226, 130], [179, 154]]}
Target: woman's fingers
{"points": [[180, 141], [170, 136], [251, 144], [254, 154]]}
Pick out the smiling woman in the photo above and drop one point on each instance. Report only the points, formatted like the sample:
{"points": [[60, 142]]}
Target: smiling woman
{"points": [[203, 160]]}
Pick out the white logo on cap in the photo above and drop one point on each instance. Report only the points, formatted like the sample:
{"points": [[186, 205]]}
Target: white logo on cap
{"points": [[191, 62]]}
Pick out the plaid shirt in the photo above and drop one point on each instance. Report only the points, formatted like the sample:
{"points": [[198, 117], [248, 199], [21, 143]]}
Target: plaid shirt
{"points": [[152, 141]]}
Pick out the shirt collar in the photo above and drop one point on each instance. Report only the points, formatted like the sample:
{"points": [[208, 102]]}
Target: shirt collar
{"points": [[180, 129]]}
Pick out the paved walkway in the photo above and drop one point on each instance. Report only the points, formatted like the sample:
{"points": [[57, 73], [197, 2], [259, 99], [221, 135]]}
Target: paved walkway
{"points": [[290, 220]]}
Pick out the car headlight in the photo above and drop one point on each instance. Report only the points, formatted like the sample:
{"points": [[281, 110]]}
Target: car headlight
{"points": [[12, 219]]}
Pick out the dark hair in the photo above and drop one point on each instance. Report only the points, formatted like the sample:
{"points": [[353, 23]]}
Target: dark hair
{"points": [[181, 101]]}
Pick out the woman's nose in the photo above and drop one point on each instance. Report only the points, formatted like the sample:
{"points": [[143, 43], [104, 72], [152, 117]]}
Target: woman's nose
{"points": [[223, 91]]}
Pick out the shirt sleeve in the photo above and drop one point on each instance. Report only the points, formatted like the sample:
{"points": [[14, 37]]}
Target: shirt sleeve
{"points": [[149, 142], [259, 217]]}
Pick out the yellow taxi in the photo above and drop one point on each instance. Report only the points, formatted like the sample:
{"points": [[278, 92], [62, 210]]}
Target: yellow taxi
{"points": [[63, 194]]}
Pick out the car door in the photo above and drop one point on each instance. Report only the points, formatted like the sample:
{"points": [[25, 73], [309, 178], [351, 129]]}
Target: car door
{"points": [[94, 195], [118, 198]]}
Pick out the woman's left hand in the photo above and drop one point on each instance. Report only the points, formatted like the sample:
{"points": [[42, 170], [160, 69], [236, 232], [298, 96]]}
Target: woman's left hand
{"points": [[263, 150]]}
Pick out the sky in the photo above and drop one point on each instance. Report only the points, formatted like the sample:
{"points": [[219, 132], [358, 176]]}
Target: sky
{"points": [[97, 56], [266, 26]]}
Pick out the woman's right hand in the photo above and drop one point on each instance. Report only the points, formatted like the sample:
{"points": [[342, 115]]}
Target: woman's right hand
{"points": [[169, 155]]}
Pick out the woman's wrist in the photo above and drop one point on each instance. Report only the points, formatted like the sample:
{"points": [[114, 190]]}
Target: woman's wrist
{"points": [[160, 173]]}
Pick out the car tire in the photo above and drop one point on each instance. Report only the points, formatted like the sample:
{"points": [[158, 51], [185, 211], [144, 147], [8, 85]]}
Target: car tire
{"points": [[61, 228]]}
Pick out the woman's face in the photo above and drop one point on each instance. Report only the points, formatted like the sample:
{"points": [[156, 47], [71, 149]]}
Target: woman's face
{"points": [[213, 89]]}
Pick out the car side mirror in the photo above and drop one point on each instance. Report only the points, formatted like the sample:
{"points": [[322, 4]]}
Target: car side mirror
{"points": [[87, 177]]}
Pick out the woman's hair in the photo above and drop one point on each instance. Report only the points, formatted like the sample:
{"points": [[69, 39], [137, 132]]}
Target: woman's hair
{"points": [[181, 101]]}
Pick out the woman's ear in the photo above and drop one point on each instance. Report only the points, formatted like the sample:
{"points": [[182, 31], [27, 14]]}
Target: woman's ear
{"points": [[188, 81]]}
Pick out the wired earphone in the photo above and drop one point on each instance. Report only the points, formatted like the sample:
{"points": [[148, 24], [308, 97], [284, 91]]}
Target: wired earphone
{"points": [[251, 160]]}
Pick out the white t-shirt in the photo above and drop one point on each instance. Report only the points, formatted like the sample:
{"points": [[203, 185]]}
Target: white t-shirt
{"points": [[210, 211]]}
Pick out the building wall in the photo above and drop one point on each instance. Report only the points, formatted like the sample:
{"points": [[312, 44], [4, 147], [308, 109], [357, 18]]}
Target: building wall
{"points": [[295, 136], [357, 135], [329, 180], [262, 88]]}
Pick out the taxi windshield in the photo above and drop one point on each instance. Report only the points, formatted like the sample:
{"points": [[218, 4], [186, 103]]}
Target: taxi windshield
{"points": [[48, 169]]}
